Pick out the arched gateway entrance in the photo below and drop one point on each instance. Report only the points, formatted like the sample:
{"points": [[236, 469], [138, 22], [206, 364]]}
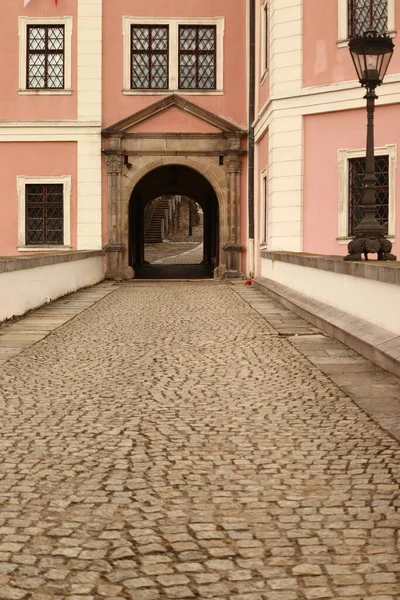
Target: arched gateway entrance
{"points": [[203, 162], [179, 181]]}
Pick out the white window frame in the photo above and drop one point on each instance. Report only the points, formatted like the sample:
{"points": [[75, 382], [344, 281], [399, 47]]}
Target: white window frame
{"points": [[343, 171], [23, 41], [343, 21], [173, 56], [22, 182], [264, 39], [264, 208]]}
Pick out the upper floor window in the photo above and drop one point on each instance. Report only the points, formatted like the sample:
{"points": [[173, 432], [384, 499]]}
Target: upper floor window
{"points": [[173, 54], [45, 57], [149, 57], [367, 14], [197, 57]]}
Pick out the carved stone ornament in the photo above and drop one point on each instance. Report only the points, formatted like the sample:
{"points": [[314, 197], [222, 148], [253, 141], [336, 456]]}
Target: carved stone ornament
{"points": [[233, 247], [114, 163], [112, 247], [370, 245], [233, 164]]}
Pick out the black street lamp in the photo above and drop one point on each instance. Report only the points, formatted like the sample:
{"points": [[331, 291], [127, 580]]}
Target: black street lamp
{"points": [[371, 54]]}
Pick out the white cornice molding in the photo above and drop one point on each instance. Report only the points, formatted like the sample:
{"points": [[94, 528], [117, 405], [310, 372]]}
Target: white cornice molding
{"points": [[49, 124], [328, 98]]}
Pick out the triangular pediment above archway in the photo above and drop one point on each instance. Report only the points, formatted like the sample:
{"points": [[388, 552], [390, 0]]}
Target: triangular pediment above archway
{"points": [[207, 122]]}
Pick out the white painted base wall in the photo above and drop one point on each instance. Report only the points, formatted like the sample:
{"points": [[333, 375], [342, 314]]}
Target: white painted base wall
{"points": [[25, 289], [374, 301]]}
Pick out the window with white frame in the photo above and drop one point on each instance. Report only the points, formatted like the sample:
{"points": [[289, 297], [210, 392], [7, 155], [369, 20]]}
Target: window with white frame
{"points": [[43, 212], [357, 16], [184, 55], [264, 208], [351, 164], [264, 38], [45, 55]]}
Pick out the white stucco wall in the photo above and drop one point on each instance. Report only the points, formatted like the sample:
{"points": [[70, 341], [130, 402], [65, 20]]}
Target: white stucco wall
{"points": [[374, 301], [25, 289]]}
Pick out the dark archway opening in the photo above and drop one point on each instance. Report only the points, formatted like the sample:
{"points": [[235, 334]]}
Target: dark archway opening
{"points": [[171, 190]]}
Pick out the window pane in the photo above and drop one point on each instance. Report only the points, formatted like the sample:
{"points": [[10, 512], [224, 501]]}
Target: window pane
{"points": [[44, 214], [197, 57], [367, 14], [36, 38], [356, 191], [149, 57], [45, 57]]}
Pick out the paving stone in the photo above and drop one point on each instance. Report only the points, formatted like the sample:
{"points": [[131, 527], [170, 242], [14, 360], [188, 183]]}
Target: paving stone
{"points": [[168, 443]]}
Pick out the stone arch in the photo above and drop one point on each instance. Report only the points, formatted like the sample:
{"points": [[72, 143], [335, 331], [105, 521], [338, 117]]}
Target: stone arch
{"points": [[152, 181], [127, 165], [214, 174]]}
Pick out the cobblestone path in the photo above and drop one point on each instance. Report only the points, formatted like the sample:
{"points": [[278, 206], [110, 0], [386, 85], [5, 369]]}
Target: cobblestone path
{"points": [[167, 443]]}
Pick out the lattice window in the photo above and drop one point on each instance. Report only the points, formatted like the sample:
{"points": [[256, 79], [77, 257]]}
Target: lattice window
{"points": [[44, 214], [149, 57], [367, 14], [197, 57], [356, 191], [45, 57]]}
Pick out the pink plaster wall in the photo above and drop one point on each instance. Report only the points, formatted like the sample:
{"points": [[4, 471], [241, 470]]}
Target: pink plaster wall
{"points": [[14, 107], [324, 135], [167, 122], [231, 105], [324, 62], [32, 159]]}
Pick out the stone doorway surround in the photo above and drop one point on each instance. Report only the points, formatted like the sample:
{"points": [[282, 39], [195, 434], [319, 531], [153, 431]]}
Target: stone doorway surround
{"points": [[131, 155]]}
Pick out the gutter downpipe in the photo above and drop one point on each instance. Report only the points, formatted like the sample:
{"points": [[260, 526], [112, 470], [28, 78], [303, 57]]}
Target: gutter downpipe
{"points": [[252, 96]]}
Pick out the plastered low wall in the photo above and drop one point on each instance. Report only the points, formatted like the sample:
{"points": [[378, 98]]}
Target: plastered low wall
{"points": [[368, 291], [30, 282]]}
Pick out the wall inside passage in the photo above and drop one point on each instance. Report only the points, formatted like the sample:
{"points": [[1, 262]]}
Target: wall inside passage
{"points": [[33, 159], [37, 106], [26, 289], [344, 292], [324, 135], [324, 61]]}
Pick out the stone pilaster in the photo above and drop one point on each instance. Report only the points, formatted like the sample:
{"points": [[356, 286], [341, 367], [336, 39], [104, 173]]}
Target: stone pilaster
{"points": [[114, 247], [233, 247]]}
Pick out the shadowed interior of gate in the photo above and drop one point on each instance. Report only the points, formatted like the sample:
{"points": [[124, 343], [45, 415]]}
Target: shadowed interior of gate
{"points": [[173, 180]]}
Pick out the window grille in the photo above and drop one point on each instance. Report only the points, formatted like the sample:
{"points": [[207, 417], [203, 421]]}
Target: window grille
{"points": [[197, 57], [44, 213], [149, 57], [367, 14], [356, 191], [45, 57]]}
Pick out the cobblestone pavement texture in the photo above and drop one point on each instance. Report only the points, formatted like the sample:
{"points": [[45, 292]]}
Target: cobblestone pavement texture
{"points": [[168, 443]]}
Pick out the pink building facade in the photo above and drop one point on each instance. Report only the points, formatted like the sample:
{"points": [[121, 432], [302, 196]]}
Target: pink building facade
{"points": [[105, 105], [310, 126]]}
